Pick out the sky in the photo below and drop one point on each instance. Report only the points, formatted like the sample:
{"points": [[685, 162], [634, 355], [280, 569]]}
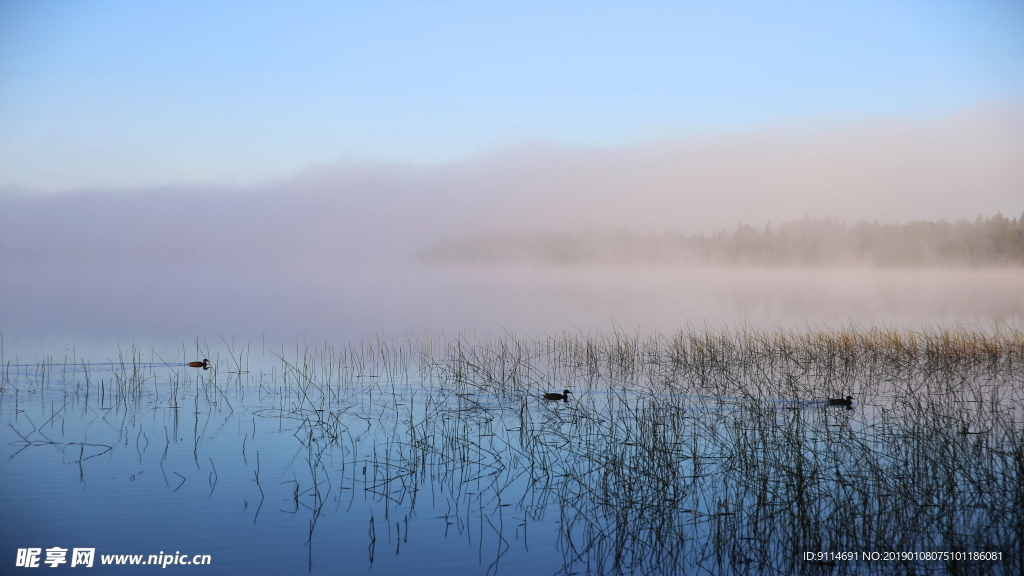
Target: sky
{"points": [[122, 94]]}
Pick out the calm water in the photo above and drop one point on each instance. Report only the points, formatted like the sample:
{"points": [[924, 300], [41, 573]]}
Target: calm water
{"points": [[399, 458]]}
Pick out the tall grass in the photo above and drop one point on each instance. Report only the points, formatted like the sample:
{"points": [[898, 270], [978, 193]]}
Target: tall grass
{"points": [[700, 451], [715, 450]]}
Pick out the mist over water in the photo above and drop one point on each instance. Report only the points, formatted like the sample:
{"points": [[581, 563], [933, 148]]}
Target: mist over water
{"points": [[329, 254], [156, 305]]}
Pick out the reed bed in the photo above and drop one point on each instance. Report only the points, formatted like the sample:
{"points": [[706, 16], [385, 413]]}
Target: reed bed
{"points": [[701, 451], [715, 449]]}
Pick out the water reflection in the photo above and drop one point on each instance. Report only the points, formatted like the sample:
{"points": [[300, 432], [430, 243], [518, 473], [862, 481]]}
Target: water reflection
{"points": [[703, 451]]}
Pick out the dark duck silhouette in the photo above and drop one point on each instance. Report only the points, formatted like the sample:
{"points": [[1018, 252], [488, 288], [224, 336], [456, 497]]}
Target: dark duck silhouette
{"points": [[564, 396], [205, 364], [844, 402]]}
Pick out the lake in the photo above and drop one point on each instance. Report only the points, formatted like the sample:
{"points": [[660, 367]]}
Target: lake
{"points": [[702, 450]]}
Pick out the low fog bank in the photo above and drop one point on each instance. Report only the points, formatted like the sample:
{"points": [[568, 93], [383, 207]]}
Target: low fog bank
{"points": [[995, 241], [950, 168]]}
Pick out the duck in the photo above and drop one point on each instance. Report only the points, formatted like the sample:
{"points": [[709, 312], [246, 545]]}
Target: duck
{"points": [[847, 402], [564, 396], [205, 364]]}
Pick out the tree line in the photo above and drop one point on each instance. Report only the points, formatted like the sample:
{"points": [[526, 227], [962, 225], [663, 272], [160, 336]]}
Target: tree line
{"points": [[995, 241]]}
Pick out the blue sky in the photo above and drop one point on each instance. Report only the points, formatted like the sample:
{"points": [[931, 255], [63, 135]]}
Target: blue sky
{"points": [[118, 94]]}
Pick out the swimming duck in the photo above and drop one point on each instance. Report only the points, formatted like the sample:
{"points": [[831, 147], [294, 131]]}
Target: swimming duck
{"points": [[564, 396], [847, 402], [205, 364]]}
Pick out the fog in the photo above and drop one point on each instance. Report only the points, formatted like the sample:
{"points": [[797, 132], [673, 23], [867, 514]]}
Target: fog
{"points": [[328, 253]]}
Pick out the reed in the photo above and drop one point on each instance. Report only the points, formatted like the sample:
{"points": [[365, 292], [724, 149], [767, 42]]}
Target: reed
{"points": [[703, 450]]}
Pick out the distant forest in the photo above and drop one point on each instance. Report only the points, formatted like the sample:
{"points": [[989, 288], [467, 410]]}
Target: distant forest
{"points": [[995, 241]]}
